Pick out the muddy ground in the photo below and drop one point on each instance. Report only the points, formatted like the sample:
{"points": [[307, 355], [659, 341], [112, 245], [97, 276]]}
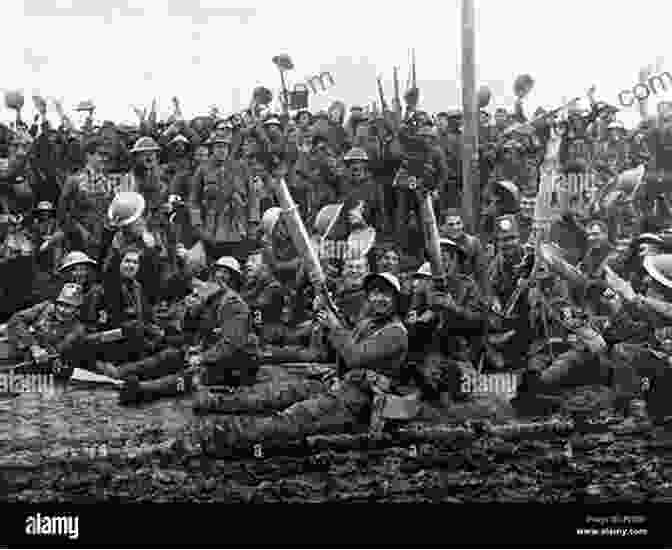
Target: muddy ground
{"points": [[79, 445]]}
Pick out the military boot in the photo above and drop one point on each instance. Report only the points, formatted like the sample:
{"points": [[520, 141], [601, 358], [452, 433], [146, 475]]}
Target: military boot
{"points": [[168, 361]]}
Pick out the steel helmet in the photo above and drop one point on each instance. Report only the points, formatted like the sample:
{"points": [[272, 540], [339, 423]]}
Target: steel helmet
{"points": [[145, 144], [86, 105], [424, 271], [650, 238], [273, 120], [76, 258], [389, 279], [44, 206], [126, 208], [511, 187], [356, 154], [71, 294], [270, 219], [230, 263], [326, 218], [660, 268], [179, 138]]}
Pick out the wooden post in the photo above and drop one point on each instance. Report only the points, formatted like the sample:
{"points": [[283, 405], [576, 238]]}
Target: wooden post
{"points": [[471, 191]]}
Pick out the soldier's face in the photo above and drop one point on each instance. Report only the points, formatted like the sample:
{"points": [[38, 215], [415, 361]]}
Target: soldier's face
{"points": [[388, 262], [358, 171], [250, 147], [79, 274], [596, 235], [454, 227], [356, 215], [147, 159], [223, 277], [220, 151], [442, 123], [201, 155], [354, 271], [381, 300], [335, 116], [253, 267], [65, 312], [130, 264]]}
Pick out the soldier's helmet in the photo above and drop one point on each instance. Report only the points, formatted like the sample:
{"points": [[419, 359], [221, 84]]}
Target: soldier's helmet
{"points": [[506, 226], [71, 294], [44, 207], [424, 271], [85, 105], [660, 268], [126, 208], [229, 262], [509, 187], [145, 144], [179, 138], [76, 258], [326, 218], [356, 154], [388, 279], [270, 219]]}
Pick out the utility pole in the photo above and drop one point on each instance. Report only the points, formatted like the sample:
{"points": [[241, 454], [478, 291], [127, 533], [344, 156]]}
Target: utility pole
{"points": [[471, 192]]}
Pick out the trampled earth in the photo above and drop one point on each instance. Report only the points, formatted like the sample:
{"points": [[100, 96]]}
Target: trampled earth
{"points": [[79, 445]]}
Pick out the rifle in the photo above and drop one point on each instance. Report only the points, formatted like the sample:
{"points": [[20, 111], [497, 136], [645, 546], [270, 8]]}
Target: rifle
{"points": [[396, 102], [383, 104]]}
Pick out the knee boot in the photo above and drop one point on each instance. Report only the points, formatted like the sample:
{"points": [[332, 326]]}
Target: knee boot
{"points": [[274, 395], [168, 361]]}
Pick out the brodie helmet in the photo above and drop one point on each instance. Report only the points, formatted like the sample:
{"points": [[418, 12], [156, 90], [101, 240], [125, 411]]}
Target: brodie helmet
{"points": [[145, 144], [126, 208], [76, 258]]}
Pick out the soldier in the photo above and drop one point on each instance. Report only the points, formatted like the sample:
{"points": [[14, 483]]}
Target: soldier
{"points": [[227, 357], [279, 251], [49, 330], [219, 201], [85, 200], [266, 298], [475, 261], [128, 227], [121, 302], [350, 296], [146, 176], [20, 178], [16, 265], [372, 357], [361, 187]]}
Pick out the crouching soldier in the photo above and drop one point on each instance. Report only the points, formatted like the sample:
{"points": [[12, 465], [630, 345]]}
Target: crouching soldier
{"points": [[50, 332], [229, 356], [371, 358]]}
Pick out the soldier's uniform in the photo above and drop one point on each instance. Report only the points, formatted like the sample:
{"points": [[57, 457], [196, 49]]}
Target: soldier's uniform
{"points": [[219, 205], [373, 356], [42, 326], [266, 301]]}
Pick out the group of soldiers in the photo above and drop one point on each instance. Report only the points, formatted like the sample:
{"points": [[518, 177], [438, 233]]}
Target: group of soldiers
{"points": [[163, 256]]}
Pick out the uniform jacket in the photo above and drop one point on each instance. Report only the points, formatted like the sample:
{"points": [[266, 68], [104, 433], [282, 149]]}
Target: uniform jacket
{"points": [[380, 346], [232, 321], [219, 202], [38, 325]]}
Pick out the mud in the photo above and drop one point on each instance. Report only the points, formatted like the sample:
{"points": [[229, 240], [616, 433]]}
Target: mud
{"points": [[80, 445]]}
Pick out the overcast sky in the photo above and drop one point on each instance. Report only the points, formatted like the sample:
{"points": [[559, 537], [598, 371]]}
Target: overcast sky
{"points": [[123, 52]]}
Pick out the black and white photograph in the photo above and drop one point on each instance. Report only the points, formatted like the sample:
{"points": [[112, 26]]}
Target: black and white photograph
{"points": [[301, 252]]}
